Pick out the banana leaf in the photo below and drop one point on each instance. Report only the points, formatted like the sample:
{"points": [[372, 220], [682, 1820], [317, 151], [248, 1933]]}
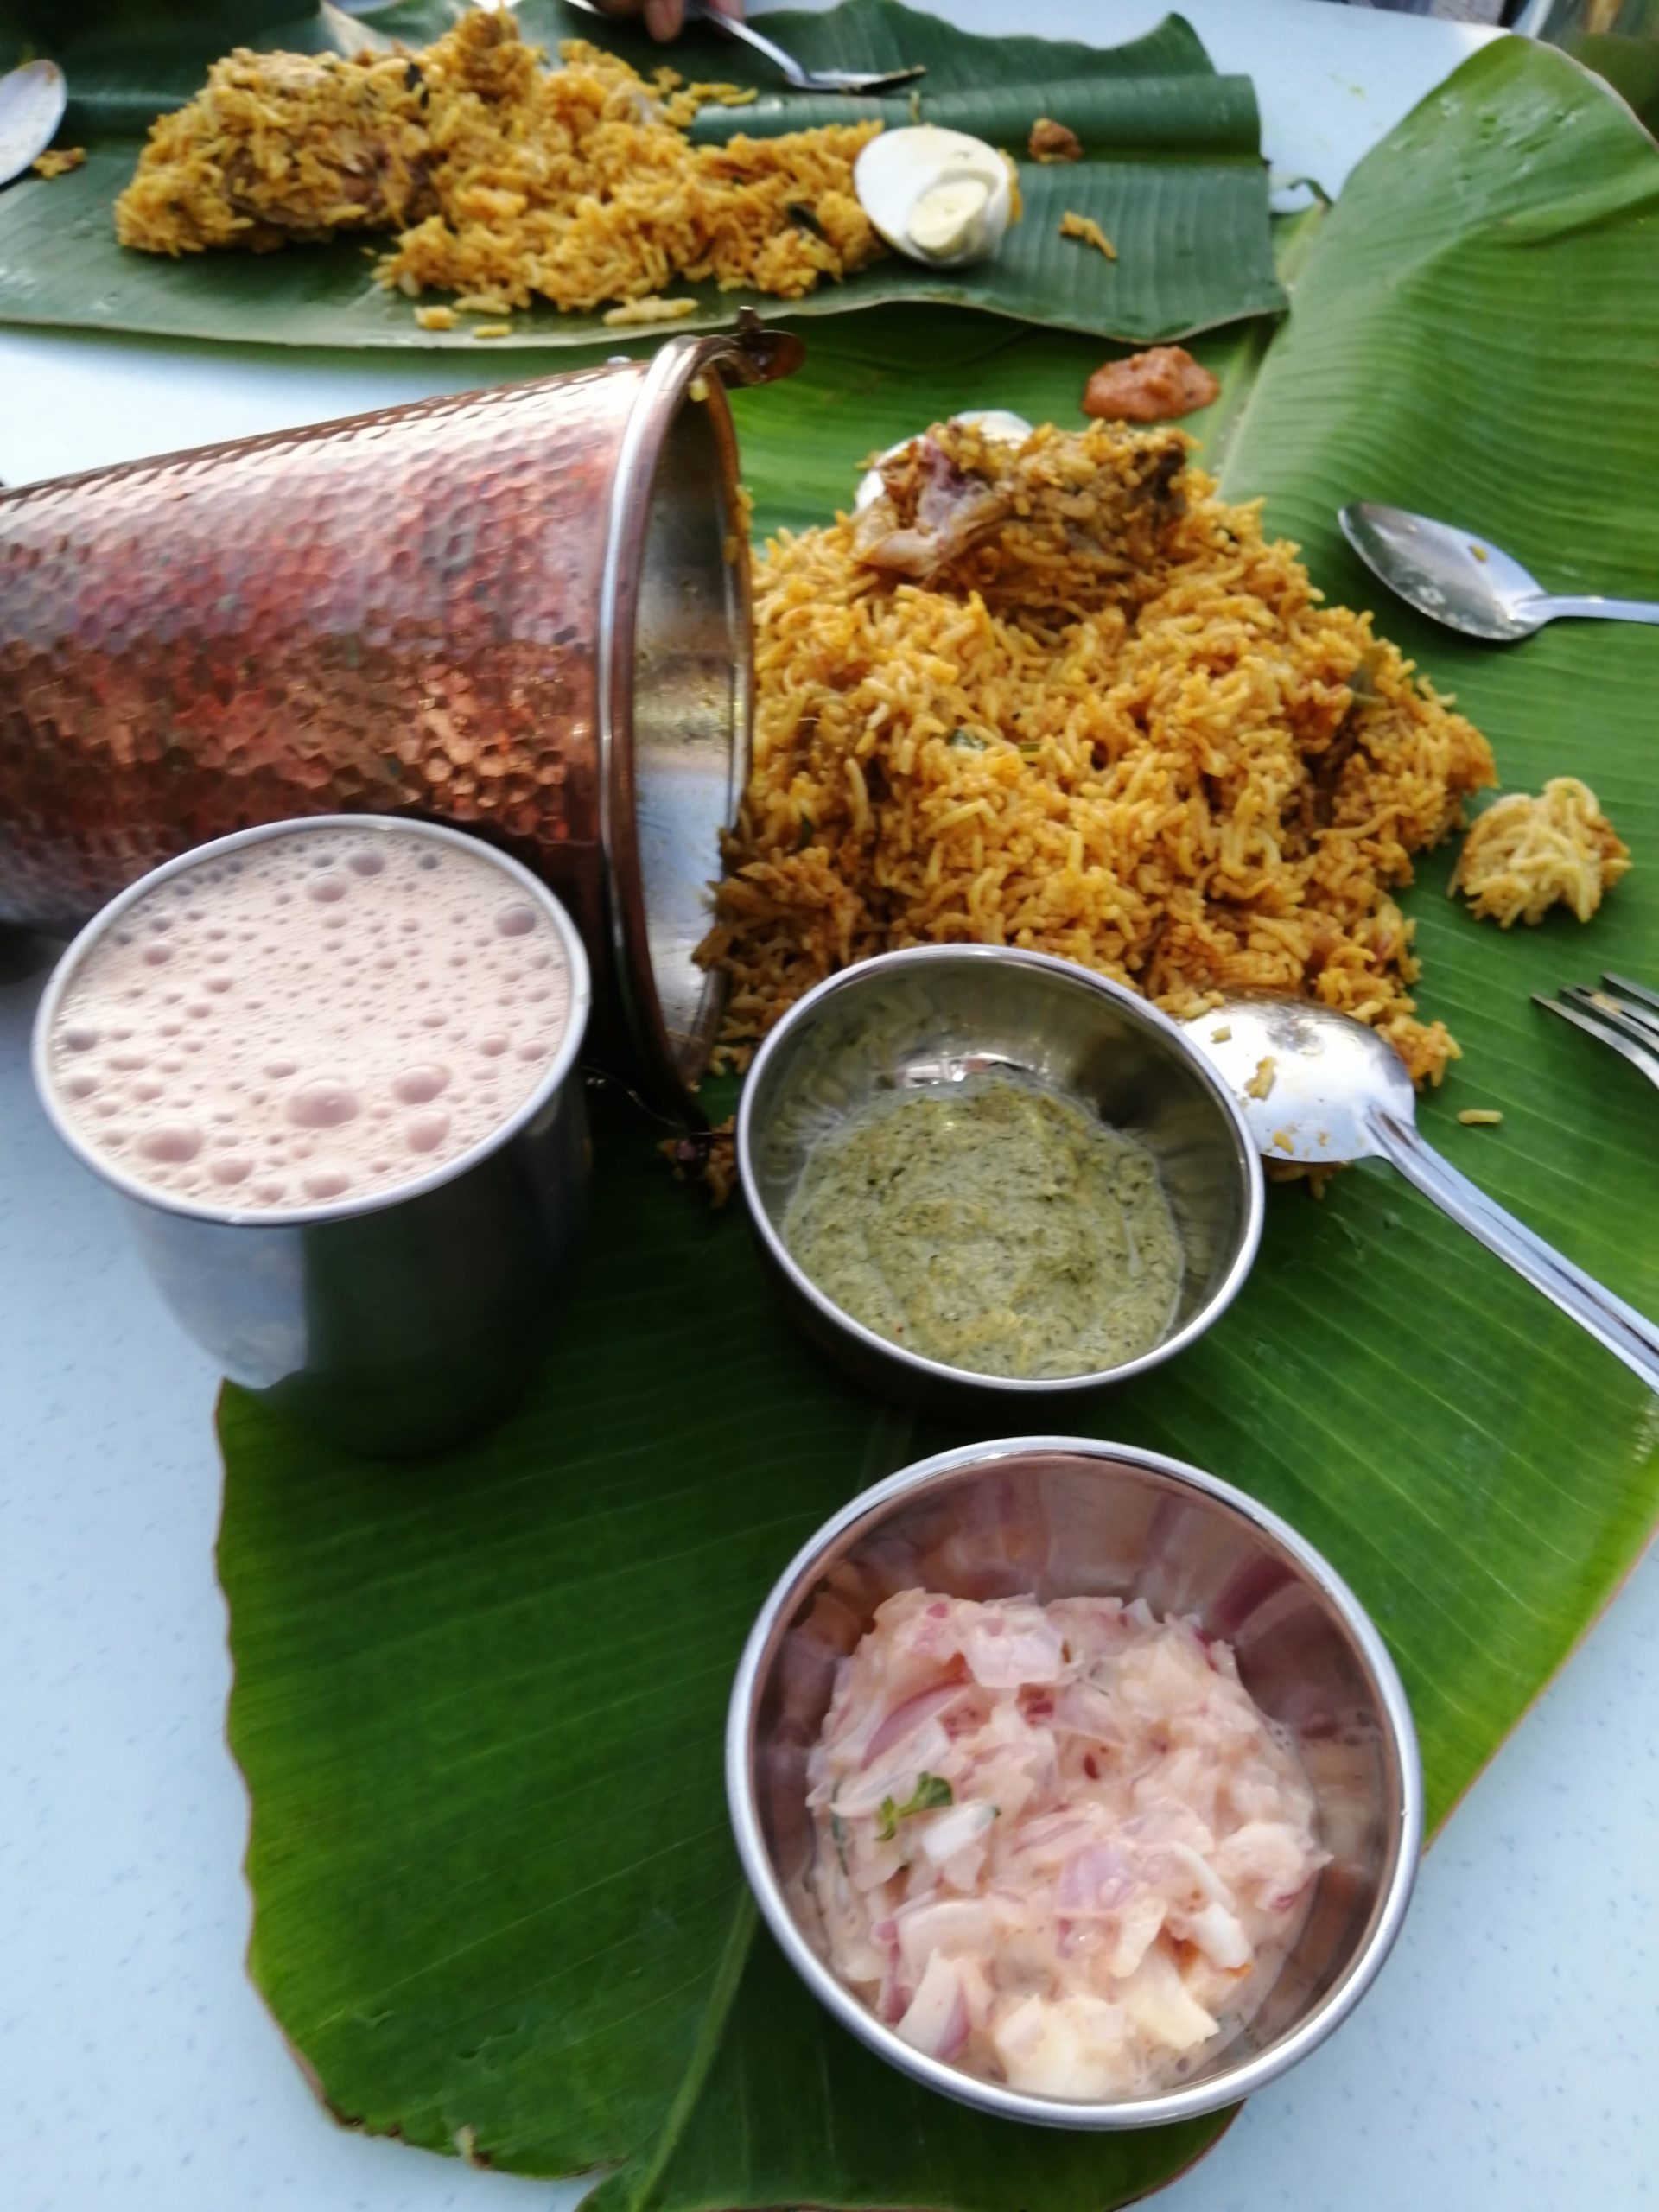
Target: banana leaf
{"points": [[1174, 173], [478, 1702]]}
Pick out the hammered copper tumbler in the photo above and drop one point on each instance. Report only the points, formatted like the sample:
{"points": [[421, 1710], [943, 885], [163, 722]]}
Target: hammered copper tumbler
{"points": [[522, 612]]}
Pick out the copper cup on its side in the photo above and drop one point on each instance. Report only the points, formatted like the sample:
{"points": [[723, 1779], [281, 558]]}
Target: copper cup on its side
{"points": [[523, 612]]}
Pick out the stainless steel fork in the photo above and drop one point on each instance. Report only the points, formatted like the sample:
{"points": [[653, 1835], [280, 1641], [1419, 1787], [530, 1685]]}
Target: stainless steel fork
{"points": [[1620, 1013]]}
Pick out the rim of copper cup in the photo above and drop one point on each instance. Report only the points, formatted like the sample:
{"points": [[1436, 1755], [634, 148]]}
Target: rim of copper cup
{"points": [[662, 392], [796, 1584], [345, 1209]]}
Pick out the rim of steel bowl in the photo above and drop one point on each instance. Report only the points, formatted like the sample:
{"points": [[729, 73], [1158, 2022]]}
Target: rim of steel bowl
{"points": [[935, 1371], [1231, 2083]]}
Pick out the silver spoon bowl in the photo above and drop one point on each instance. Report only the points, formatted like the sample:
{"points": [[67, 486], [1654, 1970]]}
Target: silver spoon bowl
{"points": [[32, 101], [1456, 577], [1318, 1087]]}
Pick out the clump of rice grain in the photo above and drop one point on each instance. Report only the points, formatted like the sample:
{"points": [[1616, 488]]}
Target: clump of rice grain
{"points": [[1525, 855], [647, 310], [1088, 231], [1181, 770], [503, 180]]}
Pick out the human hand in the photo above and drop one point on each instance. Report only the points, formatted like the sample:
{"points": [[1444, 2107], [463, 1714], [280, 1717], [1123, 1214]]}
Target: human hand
{"points": [[665, 19]]}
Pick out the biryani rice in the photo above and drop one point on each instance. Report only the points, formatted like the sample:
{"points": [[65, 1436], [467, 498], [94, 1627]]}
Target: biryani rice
{"points": [[505, 181], [1191, 776], [1525, 855]]}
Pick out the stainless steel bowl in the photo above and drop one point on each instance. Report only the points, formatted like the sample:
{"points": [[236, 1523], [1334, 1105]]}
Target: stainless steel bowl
{"points": [[1066, 1517], [937, 1013]]}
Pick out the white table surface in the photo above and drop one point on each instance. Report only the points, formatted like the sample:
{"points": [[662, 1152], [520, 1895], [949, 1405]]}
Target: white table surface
{"points": [[1508, 2057]]}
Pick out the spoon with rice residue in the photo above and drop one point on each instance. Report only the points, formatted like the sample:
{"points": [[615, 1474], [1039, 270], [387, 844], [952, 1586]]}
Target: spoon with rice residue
{"points": [[32, 101], [1319, 1088], [1456, 578]]}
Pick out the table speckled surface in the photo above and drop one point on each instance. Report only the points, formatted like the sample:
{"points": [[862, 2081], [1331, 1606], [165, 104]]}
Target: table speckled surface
{"points": [[1508, 2055]]}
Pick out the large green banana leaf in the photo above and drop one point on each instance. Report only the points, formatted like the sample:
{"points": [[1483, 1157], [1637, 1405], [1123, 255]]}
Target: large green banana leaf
{"points": [[478, 1701], [1173, 173]]}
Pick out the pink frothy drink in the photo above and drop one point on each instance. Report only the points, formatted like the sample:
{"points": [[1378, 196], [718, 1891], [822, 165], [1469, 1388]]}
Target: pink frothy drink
{"points": [[320, 1018], [332, 1069]]}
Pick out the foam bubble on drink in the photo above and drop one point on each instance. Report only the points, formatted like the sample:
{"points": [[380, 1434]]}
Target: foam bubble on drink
{"points": [[288, 1025]]}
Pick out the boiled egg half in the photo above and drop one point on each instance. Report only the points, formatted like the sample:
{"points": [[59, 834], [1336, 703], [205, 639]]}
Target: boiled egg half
{"points": [[937, 195]]}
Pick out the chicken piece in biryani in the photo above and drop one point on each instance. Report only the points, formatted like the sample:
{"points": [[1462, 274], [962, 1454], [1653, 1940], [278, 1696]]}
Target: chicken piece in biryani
{"points": [[1058, 1846], [967, 511], [283, 147]]}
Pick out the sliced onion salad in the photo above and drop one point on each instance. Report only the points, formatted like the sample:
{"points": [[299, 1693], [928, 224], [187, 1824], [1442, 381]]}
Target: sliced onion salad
{"points": [[1058, 1845]]}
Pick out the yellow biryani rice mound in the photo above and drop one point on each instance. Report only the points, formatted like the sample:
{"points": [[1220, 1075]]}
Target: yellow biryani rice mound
{"points": [[1114, 723], [503, 180]]}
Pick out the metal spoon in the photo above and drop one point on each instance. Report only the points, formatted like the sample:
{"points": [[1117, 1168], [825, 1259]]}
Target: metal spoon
{"points": [[32, 101], [1317, 1086], [802, 80], [1458, 579]]}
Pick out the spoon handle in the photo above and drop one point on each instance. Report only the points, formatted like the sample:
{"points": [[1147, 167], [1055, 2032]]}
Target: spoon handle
{"points": [[1630, 1335], [1605, 610], [735, 27]]}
